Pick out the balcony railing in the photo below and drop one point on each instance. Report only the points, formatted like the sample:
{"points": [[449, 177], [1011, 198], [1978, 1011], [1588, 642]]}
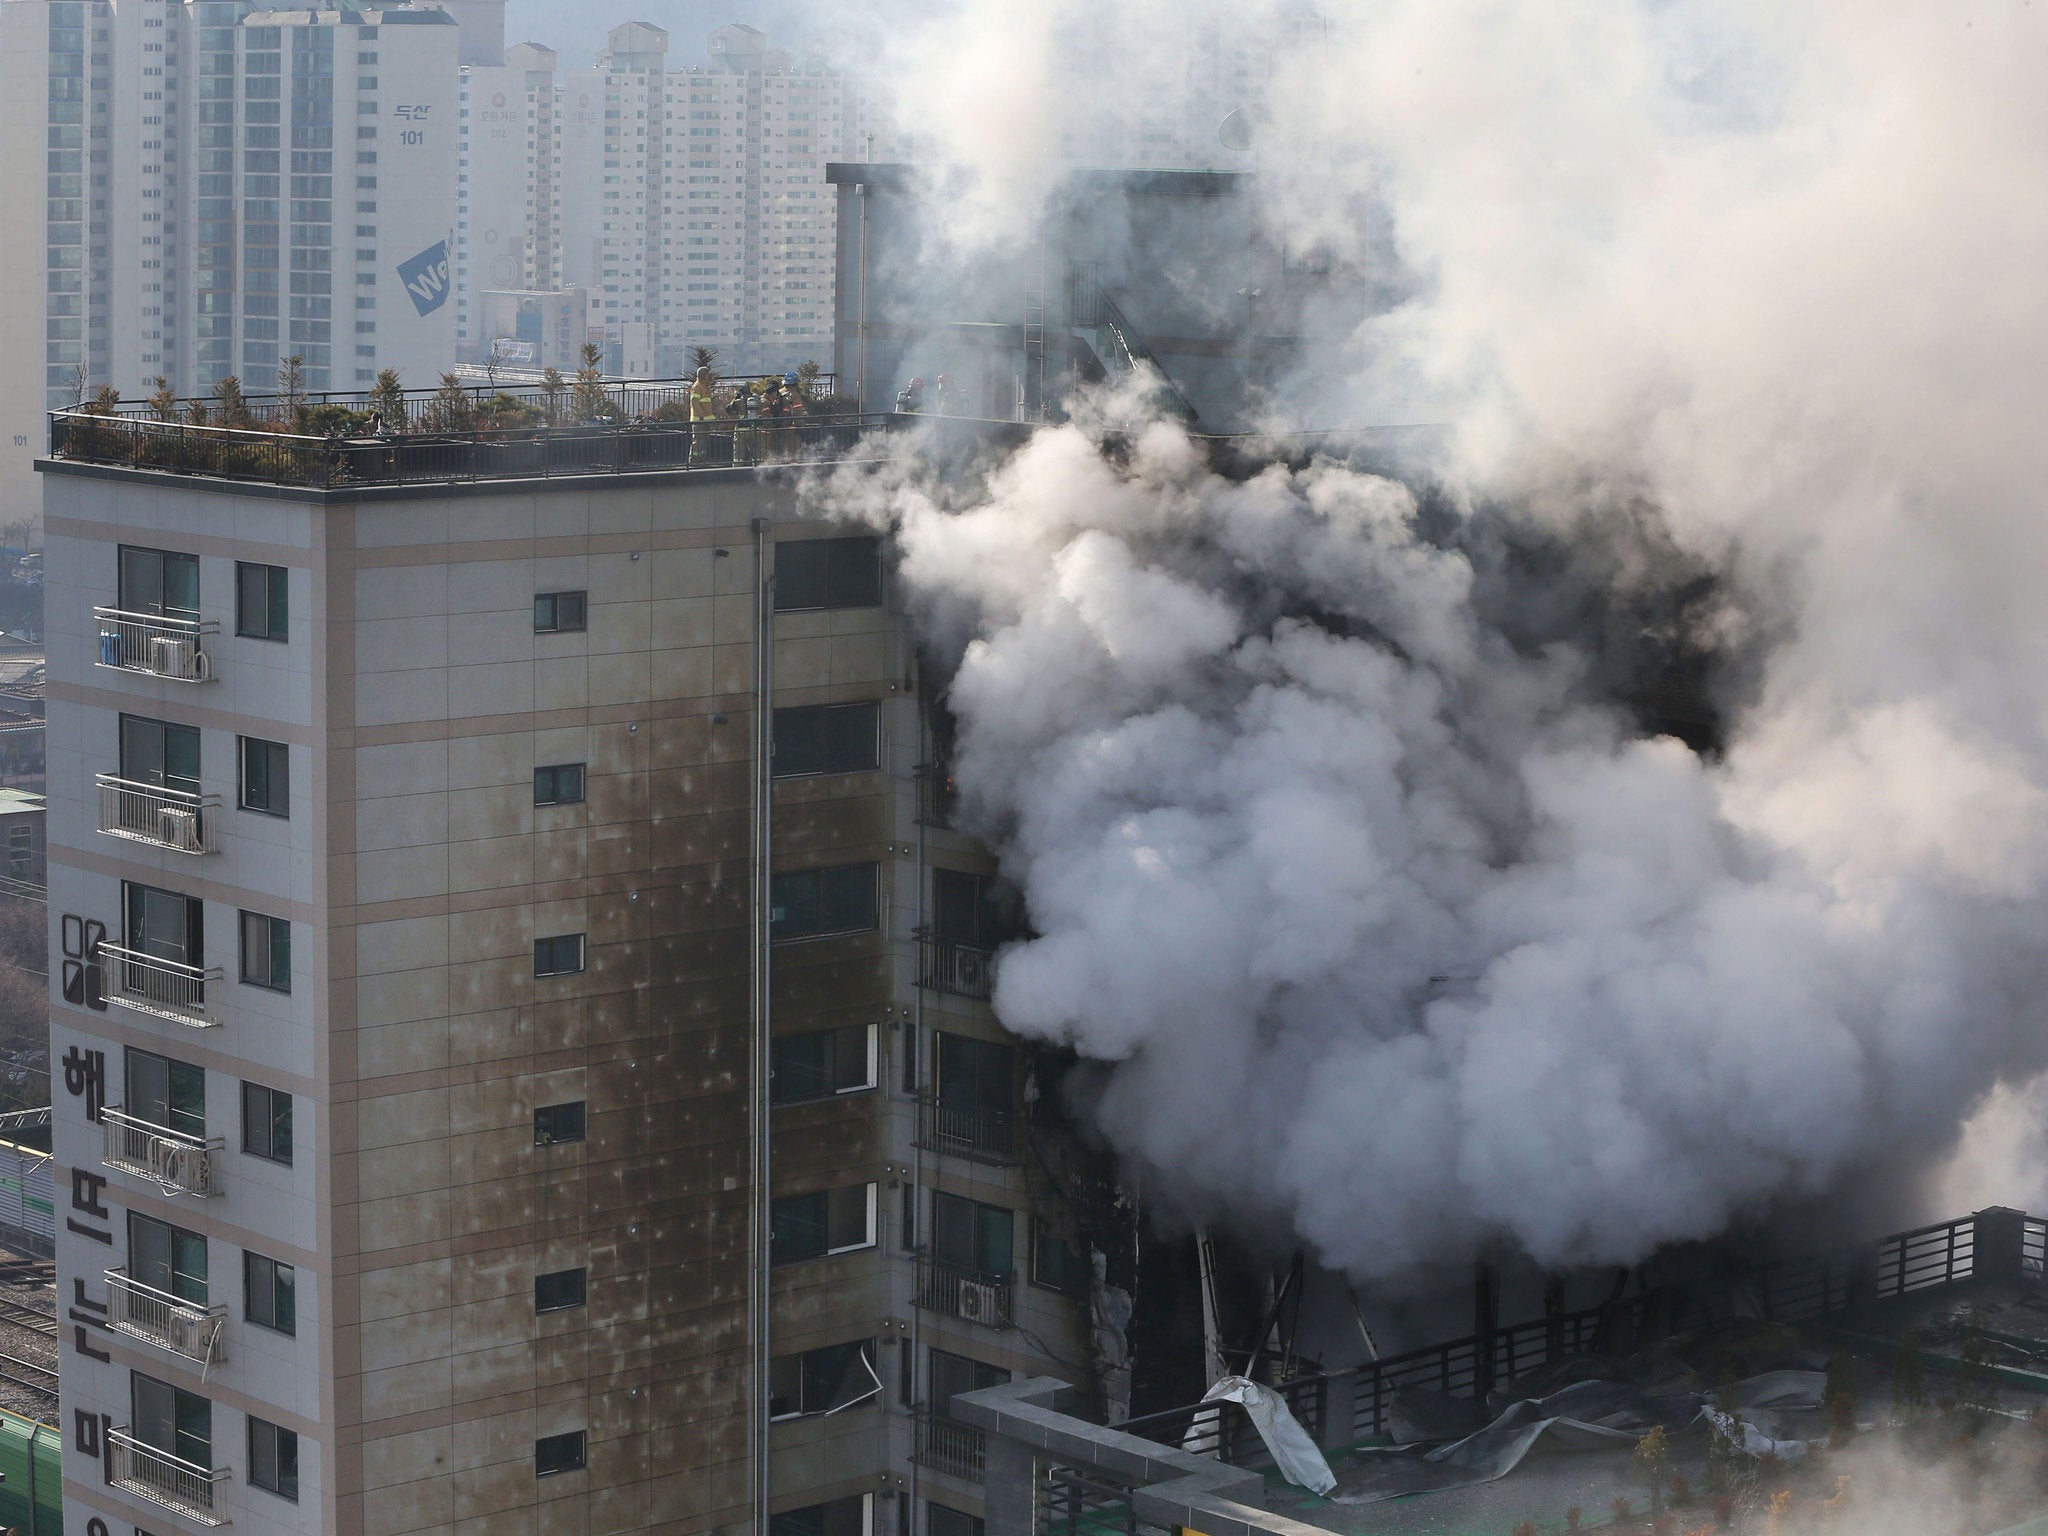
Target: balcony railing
{"points": [[161, 645], [183, 1165], [935, 795], [967, 1130], [151, 813], [956, 1290], [944, 1446], [167, 988], [183, 1327], [162, 1478], [965, 970]]}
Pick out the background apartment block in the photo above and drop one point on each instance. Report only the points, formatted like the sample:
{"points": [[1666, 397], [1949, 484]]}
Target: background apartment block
{"points": [[689, 206], [401, 860]]}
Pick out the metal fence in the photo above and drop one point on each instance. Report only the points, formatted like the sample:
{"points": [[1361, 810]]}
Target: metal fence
{"points": [[965, 970], [946, 1446], [1071, 1503], [164, 1479], [956, 1290], [967, 1130]]}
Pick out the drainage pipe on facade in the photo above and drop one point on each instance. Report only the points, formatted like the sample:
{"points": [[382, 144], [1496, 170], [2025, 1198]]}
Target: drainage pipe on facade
{"points": [[915, 1045], [761, 916]]}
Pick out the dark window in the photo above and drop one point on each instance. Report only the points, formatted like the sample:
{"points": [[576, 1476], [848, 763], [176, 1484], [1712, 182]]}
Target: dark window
{"points": [[820, 1063], [827, 738], [269, 1292], [560, 785], [267, 1123], [171, 1419], [166, 1093], [274, 1458], [558, 1453], [159, 754], [835, 1517], [1056, 1263], [561, 955], [559, 1291], [822, 1380], [952, 1375], [167, 1259], [977, 1074], [828, 1221], [162, 925], [828, 573], [941, 1521], [159, 583], [266, 952], [971, 910], [560, 613], [812, 903], [266, 776], [261, 605], [553, 1123], [972, 1235]]}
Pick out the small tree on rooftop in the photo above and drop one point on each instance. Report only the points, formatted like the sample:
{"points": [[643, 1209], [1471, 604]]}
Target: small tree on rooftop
{"points": [[387, 398], [552, 388], [807, 379], [163, 400], [291, 390], [1653, 1464], [451, 409], [589, 402], [230, 404], [105, 400], [703, 357]]}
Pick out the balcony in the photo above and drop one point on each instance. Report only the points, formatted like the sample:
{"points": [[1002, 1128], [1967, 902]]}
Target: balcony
{"points": [[166, 818], [965, 970], [162, 1478], [157, 644], [169, 989], [183, 1327], [935, 795], [183, 1165], [955, 1290], [967, 1130], [945, 1446]]}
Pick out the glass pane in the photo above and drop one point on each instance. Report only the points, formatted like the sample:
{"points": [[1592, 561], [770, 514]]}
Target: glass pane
{"points": [[850, 1058], [188, 1266], [994, 1239], [285, 1298], [252, 599], [142, 750], [281, 1127], [142, 581], [181, 586], [194, 1417], [181, 758], [186, 1110], [154, 1404], [149, 1252], [149, 1088], [280, 599], [797, 1228], [802, 1067], [849, 1217], [280, 953]]}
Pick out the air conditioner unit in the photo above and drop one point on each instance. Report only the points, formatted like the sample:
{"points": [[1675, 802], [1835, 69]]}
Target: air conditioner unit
{"points": [[177, 656], [178, 828], [980, 1303]]}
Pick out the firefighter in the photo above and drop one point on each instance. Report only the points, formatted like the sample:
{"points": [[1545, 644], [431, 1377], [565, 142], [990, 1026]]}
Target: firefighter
{"points": [[703, 413]]}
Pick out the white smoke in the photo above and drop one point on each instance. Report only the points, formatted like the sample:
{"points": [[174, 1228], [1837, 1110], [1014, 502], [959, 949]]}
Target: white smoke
{"points": [[1388, 928]]}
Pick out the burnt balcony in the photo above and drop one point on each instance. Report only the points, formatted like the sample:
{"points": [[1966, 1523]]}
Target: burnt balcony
{"points": [[965, 970], [167, 989], [177, 819], [160, 1477], [979, 1134], [972, 1295], [183, 1165], [935, 795], [186, 1328], [160, 645], [960, 1450]]}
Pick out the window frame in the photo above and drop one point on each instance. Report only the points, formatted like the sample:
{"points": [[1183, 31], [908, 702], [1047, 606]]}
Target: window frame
{"points": [[283, 1449], [554, 772], [582, 1274], [268, 949], [552, 943], [553, 621], [871, 1236], [275, 1279], [869, 1053], [269, 1121], [275, 753], [1041, 1235], [869, 922], [574, 1442], [582, 1118], [799, 589], [276, 618], [800, 1363], [870, 763]]}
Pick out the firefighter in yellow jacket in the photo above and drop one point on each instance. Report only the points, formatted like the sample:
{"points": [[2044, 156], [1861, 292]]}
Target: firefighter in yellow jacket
{"points": [[703, 415]]}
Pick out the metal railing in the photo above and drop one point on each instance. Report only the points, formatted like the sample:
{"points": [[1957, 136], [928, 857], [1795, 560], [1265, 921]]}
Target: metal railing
{"points": [[967, 1130], [178, 819], [1940, 1254], [430, 456], [935, 795], [161, 645], [946, 1446], [169, 989], [185, 1328], [1071, 1503], [164, 1479], [183, 1165], [958, 1290], [965, 970]]}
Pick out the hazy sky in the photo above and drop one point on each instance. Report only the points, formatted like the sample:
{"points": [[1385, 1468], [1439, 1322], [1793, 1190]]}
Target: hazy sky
{"points": [[575, 28]]}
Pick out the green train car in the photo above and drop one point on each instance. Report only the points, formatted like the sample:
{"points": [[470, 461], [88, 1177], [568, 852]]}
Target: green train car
{"points": [[32, 1498]]}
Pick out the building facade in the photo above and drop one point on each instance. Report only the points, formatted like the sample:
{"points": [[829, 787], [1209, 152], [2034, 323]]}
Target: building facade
{"points": [[441, 937]]}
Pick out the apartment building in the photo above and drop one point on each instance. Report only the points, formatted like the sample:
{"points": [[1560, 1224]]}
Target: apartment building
{"points": [[456, 891], [689, 204]]}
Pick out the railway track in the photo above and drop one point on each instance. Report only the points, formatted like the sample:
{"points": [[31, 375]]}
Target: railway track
{"points": [[25, 1316], [26, 1373]]}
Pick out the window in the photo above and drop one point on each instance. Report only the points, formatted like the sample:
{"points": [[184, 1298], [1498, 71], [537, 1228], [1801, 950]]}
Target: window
{"points": [[835, 1517], [561, 955], [266, 776], [951, 1375], [555, 1123], [165, 1093], [558, 1453], [828, 573], [171, 1419], [559, 613], [1056, 1263], [560, 785], [268, 1291], [820, 1381], [941, 1521], [559, 1291], [266, 952], [828, 1221], [167, 1259], [261, 605], [162, 925], [970, 910], [827, 738], [274, 1458], [159, 754], [812, 903], [159, 583], [820, 1063], [971, 1235], [267, 1123]]}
